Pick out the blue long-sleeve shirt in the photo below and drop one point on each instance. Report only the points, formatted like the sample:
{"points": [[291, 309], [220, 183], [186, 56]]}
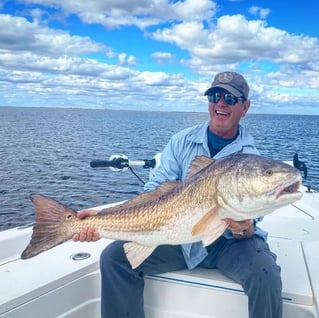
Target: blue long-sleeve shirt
{"points": [[175, 162]]}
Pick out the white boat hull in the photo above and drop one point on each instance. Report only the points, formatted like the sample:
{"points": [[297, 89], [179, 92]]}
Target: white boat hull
{"points": [[52, 284]]}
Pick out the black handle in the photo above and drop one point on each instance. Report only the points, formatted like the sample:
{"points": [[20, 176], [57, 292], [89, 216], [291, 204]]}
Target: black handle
{"points": [[150, 163], [118, 163], [101, 163]]}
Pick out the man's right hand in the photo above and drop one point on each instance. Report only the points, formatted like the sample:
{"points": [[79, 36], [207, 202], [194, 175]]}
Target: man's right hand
{"points": [[87, 234]]}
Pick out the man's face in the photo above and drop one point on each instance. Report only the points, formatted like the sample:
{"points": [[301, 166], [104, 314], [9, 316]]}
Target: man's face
{"points": [[224, 117]]}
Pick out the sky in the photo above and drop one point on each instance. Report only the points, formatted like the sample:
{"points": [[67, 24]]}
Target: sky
{"points": [[158, 55]]}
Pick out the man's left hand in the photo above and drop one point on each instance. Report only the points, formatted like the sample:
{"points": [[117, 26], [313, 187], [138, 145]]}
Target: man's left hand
{"points": [[241, 229]]}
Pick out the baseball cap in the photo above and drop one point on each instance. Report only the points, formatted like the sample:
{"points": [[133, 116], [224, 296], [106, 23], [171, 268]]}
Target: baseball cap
{"points": [[232, 82]]}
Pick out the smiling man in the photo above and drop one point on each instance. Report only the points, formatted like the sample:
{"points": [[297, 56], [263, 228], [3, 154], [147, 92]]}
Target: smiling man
{"points": [[228, 103], [241, 253]]}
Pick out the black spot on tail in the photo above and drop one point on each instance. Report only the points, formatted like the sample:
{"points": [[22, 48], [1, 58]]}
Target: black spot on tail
{"points": [[51, 225]]}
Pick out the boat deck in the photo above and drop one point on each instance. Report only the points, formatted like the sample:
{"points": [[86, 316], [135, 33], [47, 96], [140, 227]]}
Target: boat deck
{"points": [[35, 287], [61, 270]]}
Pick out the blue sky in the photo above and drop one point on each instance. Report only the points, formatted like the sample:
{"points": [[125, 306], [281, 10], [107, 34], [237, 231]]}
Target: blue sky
{"points": [[158, 54]]}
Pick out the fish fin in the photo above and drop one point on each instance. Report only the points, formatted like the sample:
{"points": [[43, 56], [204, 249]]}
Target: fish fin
{"points": [[144, 197], [166, 187], [201, 225], [198, 164], [47, 233], [137, 253], [215, 230], [210, 227]]}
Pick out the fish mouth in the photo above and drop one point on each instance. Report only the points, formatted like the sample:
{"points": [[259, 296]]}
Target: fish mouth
{"points": [[288, 188]]}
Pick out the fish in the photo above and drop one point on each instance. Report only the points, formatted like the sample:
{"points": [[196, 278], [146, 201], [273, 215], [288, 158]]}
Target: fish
{"points": [[238, 187]]}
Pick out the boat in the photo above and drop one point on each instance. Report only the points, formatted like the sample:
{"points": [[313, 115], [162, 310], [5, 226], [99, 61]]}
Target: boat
{"points": [[64, 281]]}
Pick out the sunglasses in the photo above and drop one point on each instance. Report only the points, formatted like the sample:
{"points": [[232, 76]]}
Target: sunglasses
{"points": [[229, 99]]}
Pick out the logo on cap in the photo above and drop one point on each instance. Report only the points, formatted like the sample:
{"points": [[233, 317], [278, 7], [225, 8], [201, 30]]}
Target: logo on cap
{"points": [[225, 77]]}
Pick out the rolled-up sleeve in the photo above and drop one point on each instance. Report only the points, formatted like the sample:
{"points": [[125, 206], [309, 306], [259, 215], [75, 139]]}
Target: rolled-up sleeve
{"points": [[168, 169]]}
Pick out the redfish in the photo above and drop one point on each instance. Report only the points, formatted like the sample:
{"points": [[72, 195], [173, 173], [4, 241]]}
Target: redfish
{"points": [[237, 187]]}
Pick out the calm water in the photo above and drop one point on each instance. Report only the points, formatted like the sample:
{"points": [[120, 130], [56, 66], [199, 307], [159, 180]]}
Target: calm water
{"points": [[48, 151]]}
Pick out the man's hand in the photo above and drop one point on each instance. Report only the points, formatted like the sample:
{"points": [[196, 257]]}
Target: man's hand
{"points": [[241, 229], [87, 234]]}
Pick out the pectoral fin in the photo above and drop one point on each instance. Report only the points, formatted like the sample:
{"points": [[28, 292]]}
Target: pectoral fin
{"points": [[214, 231], [210, 227], [137, 253]]}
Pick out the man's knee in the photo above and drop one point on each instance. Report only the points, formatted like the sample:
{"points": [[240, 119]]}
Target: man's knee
{"points": [[266, 278], [112, 254]]}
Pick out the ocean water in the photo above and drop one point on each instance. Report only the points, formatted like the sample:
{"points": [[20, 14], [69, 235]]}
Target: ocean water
{"points": [[49, 150]]}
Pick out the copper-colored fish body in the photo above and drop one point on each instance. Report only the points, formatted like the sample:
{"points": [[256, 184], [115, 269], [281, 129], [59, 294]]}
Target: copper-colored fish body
{"points": [[238, 187]]}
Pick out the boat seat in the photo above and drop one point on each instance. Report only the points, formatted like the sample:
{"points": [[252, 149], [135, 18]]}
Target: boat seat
{"points": [[290, 257], [48, 271]]}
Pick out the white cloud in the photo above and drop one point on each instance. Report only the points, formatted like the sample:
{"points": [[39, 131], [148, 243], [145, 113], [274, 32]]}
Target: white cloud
{"points": [[37, 60], [235, 39], [141, 13], [17, 34], [261, 12], [186, 35], [126, 60], [163, 57]]}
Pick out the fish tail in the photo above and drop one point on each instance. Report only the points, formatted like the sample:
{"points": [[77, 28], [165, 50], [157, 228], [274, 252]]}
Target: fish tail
{"points": [[50, 225]]}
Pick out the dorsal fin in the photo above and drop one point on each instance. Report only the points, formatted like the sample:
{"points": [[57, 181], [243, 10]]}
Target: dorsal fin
{"points": [[198, 164]]}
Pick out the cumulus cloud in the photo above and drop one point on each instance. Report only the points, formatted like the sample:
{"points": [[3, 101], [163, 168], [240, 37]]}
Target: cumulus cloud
{"points": [[19, 34], [126, 60], [163, 57], [262, 13], [234, 39], [141, 13], [36, 57]]}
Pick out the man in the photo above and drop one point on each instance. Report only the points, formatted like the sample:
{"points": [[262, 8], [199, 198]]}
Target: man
{"points": [[241, 253]]}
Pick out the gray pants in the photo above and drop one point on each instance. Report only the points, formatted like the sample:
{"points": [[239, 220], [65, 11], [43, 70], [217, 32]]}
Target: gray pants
{"points": [[249, 262]]}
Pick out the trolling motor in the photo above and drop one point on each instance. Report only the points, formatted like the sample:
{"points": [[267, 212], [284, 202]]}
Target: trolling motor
{"points": [[120, 162]]}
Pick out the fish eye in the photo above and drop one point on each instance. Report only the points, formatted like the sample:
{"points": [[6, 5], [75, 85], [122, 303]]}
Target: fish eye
{"points": [[269, 172]]}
